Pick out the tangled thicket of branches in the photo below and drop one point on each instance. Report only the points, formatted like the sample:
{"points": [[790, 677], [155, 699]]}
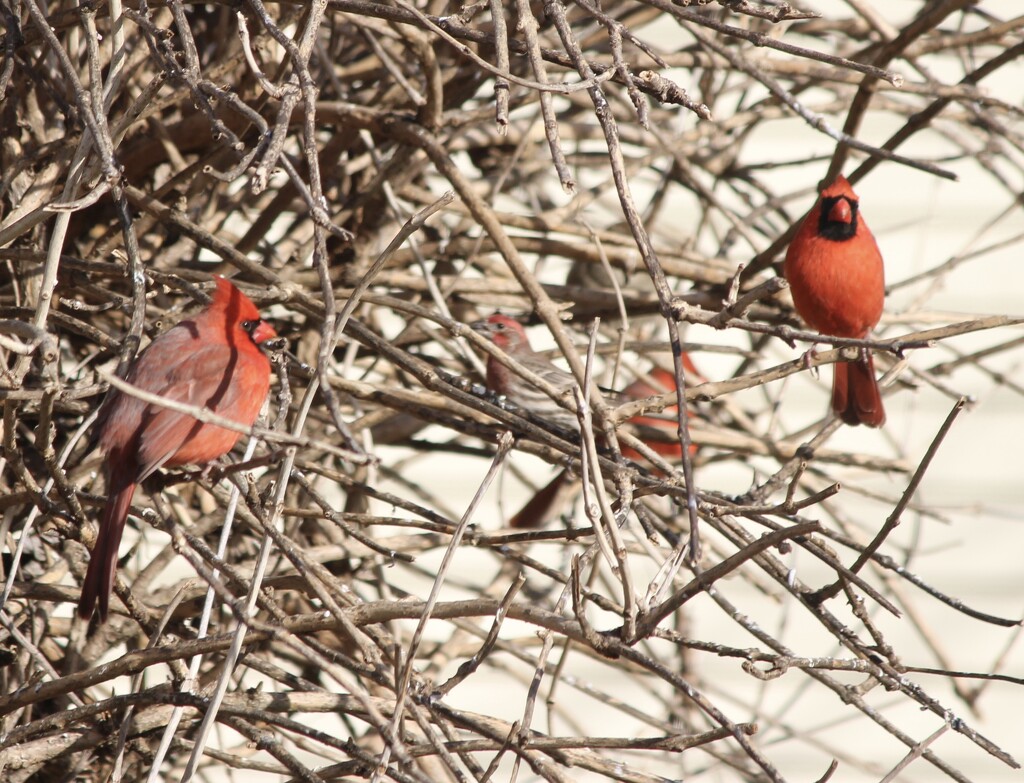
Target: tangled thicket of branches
{"points": [[376, 175]]}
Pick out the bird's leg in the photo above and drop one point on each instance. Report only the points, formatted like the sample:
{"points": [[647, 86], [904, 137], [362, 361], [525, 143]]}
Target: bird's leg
{"points": [[808, 358]]}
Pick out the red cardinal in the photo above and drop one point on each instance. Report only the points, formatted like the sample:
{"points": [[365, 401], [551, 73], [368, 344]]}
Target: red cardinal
{"points": [[836, 277], [667, 445], [211, 360], [509, 335]]}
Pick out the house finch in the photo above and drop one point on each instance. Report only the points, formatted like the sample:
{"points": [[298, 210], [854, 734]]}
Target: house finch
{"points": [[212, 360], [835, 274], [509, 335]]}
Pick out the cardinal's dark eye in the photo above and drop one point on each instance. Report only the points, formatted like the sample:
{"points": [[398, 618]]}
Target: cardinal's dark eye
{"points": [[250, 326]]}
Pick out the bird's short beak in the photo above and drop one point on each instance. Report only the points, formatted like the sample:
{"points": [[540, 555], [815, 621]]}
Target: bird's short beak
{"points": [[263, 333]]}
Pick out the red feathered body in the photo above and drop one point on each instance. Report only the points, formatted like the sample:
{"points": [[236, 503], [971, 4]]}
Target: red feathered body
{"points": [[837, 280], [212, 361], [659, 433]]}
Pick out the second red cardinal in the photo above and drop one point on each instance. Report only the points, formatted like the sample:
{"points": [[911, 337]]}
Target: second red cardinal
{"points": [[212, 360], [835, 274], [659, 432]]}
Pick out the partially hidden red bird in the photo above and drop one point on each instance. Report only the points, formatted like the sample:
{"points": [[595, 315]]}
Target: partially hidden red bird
{"points": [[212, 360], [837, 280], [658, 433]]}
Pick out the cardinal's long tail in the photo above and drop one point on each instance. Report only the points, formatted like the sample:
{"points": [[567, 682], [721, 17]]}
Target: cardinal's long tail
{"points": [[99, 578], [548, 503], [855, 395]]}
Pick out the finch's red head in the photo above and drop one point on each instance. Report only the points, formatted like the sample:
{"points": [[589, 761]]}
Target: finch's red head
{"points": [[505, 332], [838, 211], [239, 310]]}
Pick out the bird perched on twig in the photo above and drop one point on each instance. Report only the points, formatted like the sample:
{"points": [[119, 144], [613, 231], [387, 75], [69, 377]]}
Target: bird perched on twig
{"points": [[836, 276], [212, 360], [509, 335]]}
